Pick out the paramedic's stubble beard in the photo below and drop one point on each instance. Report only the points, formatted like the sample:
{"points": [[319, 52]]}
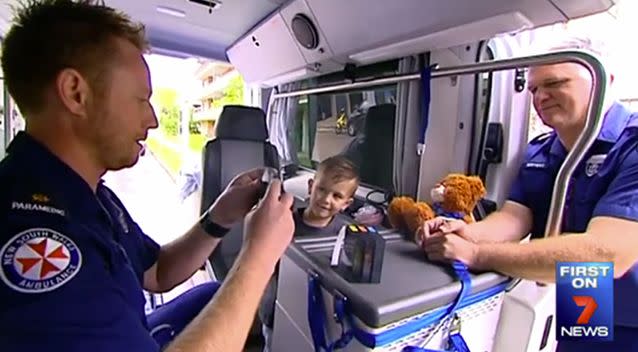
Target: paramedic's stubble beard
{"points": [[113, 149]]}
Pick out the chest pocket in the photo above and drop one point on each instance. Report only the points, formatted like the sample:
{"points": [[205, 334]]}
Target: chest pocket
{"points": [[590, 184], [117, 266], [123, 267], [538, 181], [128, 236]]}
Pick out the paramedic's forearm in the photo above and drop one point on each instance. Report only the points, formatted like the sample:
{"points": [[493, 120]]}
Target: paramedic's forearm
{"points": [[537, 259], [491, 229], [510, 224], [178, 260], [223, 324]]}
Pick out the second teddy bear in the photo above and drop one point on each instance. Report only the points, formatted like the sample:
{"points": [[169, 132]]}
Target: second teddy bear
{"points": [[455, 196]]}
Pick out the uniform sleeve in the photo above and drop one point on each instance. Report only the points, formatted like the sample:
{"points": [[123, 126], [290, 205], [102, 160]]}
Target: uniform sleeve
{"points": [[621, 198], [149, 252]]}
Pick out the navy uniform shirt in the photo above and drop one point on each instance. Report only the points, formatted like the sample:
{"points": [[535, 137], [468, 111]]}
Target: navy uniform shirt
{"points": [[72, 260], [605, 183]]}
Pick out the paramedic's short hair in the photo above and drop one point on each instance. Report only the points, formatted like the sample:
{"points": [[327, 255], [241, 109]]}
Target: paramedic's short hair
{"points": [[601, 49], [566, 41], [48, 36], [589, 45], [339, 168]]}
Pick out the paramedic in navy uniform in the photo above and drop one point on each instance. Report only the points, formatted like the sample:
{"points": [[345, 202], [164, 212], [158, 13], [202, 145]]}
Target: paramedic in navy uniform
{"points": [[73, 262], [601, 211]]}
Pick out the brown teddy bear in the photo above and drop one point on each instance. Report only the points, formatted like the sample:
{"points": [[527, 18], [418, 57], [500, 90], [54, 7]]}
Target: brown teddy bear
{"points": [[406, 215], [455, 197]]}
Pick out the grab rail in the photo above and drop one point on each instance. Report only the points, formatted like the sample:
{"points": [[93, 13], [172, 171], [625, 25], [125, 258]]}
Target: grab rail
{"points": [[593, 122]]}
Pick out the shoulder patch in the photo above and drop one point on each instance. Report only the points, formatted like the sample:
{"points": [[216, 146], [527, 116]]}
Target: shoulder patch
{"points": [[39, 260]]}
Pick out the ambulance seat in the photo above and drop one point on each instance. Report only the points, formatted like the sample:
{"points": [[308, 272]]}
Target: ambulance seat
{"points": [[241, 144]]}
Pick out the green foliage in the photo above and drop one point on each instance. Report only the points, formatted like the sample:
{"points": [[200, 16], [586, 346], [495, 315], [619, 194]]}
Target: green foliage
{"points": [[165, 97], [166, 101], [196, 142], [233, 94], [192, 125], [169, 120]]}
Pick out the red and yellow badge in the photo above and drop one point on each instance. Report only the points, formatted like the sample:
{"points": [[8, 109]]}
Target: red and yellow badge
{"points": [[39, 260]]}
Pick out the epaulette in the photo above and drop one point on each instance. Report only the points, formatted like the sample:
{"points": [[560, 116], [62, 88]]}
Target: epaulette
{"points": [[541, 138]]}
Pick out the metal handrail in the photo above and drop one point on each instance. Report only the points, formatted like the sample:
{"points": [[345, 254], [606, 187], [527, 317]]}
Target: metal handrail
{"points": [[593, 122]]}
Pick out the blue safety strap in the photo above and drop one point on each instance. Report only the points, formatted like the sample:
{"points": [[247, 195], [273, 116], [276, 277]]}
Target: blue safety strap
{"points": [[316, 314], [317, 317], [456, 343], [426, 78], [439, 211]]}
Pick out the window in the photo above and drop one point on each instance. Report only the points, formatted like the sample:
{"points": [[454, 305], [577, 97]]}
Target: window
{"points": [[358, 124], [336, 124]]}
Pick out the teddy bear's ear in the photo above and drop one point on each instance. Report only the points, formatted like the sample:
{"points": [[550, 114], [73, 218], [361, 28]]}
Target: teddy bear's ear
{"points": [[476, 184]]}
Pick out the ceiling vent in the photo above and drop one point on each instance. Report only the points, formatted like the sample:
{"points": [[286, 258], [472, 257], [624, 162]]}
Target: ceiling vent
{"points": [[210, 5]]}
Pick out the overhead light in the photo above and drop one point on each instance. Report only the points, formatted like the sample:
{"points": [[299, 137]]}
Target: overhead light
{"points": [[171, 11]]}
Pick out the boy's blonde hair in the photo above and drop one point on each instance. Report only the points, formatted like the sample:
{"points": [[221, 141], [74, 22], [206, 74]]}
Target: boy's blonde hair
{"points": [[339, 168]]}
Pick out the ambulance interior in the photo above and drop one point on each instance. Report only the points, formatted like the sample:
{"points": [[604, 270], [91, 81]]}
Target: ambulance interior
{"points": [[477, 125]]}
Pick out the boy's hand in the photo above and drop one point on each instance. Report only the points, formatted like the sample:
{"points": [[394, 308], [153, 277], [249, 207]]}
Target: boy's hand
{"points": [[269, 227]]}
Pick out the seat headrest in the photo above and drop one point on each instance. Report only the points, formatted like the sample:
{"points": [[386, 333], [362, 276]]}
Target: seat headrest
{"points": [[380, 119], [242, 123]]}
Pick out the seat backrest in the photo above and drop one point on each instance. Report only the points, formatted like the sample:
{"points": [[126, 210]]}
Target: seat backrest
{"points": [[378, 146], [240, 145]]}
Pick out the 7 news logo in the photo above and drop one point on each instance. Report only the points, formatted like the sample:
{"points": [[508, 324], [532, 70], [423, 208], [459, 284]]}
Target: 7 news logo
{"points": [[585, 301]]}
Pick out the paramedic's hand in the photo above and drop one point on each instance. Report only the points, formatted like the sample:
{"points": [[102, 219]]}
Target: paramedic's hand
{"points": [[238, 198], [268, 229], [447, 247], [443, 225]]}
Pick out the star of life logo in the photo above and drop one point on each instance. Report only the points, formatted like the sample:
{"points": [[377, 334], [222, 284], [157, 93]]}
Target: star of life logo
{"points": [[39, 260]]}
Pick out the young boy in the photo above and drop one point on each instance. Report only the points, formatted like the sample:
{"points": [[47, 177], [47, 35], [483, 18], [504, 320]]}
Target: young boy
{"points": [[331, 191]]}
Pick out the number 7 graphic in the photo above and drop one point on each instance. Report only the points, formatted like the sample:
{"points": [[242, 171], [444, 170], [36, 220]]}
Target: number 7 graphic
{"points": [[590, 307]]}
